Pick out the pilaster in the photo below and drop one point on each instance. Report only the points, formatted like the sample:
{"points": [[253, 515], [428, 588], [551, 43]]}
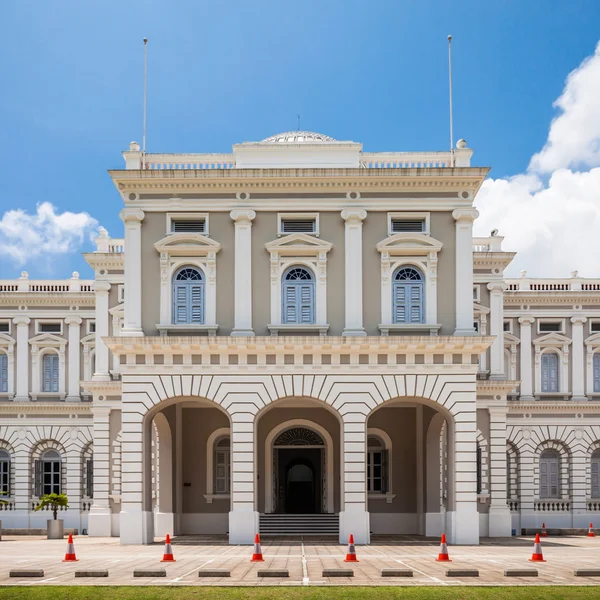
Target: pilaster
{"points": [[353, 271], [22, 387], [496, 289], [73, 393], [526, 358], [577, 349], [102, 367], [464, 218], [132, 218], [243, 272], [99, 519], [499, 519]]}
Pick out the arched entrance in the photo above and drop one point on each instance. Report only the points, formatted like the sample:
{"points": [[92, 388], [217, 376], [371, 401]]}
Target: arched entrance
{"points": [[298, 472]]}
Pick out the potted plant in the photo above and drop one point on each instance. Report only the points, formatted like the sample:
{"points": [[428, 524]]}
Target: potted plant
{"points": [[55, 525]]}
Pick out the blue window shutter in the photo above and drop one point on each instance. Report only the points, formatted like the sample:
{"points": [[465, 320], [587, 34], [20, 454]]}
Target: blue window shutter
{"points": [[596, 372], [549, 373], [197, 304], [595, 472], [290, 304], [3, 373], [306, 303], [416, 303], [408, 303], [180, 303], [399, 303], [50, 373]]}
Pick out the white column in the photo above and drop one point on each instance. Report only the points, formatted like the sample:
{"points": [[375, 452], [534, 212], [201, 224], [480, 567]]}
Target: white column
{"points": [[243, 517], [578, 383], [99, 519], [74, 465], [500, 520], [353, 271], [497, 329], [464, 218], [73, 393], [526, 365], [420, 470], [354, 516], [243, 272], [133, 217], [22, 387], [101, 373], [21, 493]]}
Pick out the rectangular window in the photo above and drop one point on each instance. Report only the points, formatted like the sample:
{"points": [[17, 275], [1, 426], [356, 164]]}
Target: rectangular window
{"points": [[3, 373], [91, 326], [4, 326], [407, 225], [476, 293], [47, 477], [50, 373], [50, 327], [5, 477], [595, 473], [594, 326], [121, 293], [479, 469], [89, 478], [476, 326], [549, 373], [188, 226], [549, 326], [507, 326], [375, 471], [222, 468], [288, 223]]}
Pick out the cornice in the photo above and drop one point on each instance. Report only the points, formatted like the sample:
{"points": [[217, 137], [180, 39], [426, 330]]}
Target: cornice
{"points": [[61, 408], [519, 407], [108, 388], [566, 297], [496, 386], [47, 298]]}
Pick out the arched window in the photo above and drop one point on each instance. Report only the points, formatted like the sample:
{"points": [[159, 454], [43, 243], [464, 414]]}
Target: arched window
{"points": [[50, 373], [88, 473], [595, 474], [298, 296], [3, 372], [4, 473], [377, 466], [549, 372], [222, 469], [549, 473], [408, 296], [188, 297], [48, 474], [597, 372]]}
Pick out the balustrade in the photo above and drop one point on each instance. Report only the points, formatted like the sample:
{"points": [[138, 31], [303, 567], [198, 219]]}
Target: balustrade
{"points": [[552, 505]]}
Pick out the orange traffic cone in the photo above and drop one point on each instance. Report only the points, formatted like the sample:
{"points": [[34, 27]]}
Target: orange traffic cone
{"points": [[351, 554], [537, 555], [70, 555], [544, 534], [591, 531], [443, 555], [257, 556], [168, 555]]}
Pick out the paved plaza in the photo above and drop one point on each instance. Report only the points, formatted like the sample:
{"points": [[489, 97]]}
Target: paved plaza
{"points": [[305, 559]]}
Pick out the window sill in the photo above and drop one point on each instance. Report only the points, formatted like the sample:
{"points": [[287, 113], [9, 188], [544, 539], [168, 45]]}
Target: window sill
{"points": [[404, 328], [48, 396], [293, 328], [210, 497], [553, 395], [165, 330], [388, 497]]}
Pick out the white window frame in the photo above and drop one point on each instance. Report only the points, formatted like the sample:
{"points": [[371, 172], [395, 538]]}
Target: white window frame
{"points": [[121, 293], [559, 467], [39, 322], [593, 321], [559, 344], [6, 493], [561, 322], [9, 323], [58, 460], [89, 324], [300, 217], [510, 326], [476, 292], [176, 216], [409, 216], [7, 346], [40, 346], [210, 466], [387, 444]]}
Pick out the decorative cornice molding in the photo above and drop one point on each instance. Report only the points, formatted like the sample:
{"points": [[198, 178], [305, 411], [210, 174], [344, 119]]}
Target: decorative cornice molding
{"points": [[242, 216]]}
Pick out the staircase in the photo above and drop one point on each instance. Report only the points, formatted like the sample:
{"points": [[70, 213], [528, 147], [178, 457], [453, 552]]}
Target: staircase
{"points": [[276, 524]]}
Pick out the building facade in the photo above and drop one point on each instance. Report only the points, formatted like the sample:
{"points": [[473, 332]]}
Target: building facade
{"points": [[300, 337]]}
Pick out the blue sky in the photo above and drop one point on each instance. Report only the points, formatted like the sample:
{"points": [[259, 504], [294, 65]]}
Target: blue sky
{"points": [[226, 72]]}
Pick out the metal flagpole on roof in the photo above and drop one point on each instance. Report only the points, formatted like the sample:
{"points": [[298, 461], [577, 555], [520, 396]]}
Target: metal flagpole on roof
{"points": [[144, 126], [450, 90]]}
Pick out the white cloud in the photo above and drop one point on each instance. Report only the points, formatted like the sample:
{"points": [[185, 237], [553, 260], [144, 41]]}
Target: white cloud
{"points": [[24, 237], [550, 215]]}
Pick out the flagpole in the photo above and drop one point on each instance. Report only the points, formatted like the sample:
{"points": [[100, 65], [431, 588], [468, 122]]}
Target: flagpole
{"points": [[450, 92], [144, 125]]}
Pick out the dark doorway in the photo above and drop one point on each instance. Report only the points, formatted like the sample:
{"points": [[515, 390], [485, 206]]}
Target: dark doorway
{"points": [[300, 485]]}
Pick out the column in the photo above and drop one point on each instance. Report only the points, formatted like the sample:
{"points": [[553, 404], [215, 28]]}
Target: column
{"points": [[464, 218], [578, 385], [73, 394], [526, 365], [99, 519], [133, 217], [420, 470], [500, 520], [23, 474], [579, 484], [243, 517], [136, 518], [353, 291], [354, 516], [243, 272], [102, 368], [496, 289], [22, 371], [74, 465], [462, 520]]}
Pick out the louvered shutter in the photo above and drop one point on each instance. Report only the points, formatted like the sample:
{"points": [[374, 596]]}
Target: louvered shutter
{"points": [[306, 303], [595, 471], [89, 487], [197, 304], [180, 304], [222, 469], [596, 372], [50, 373], [416, 302], [290, 304], [544, 491], [549, 373], [3, 373], [553, 478], [37, 478], [400, 303]]}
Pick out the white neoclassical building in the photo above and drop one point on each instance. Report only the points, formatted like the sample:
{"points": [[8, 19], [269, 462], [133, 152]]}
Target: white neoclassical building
{"points": [[300, 337]]}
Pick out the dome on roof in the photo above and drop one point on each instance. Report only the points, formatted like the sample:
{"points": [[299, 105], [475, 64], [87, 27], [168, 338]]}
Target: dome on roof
{"points": [[299, 137]]}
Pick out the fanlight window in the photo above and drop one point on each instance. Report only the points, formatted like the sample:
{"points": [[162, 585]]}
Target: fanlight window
{"points": [[299, 436], [188, 297], [408, 296], [48, 474], [298, 296]]}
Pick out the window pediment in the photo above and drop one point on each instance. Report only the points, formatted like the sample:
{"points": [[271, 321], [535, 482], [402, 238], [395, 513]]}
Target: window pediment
{"points": [[118, 310], [47, 340], [6, 340], [552, 339], [187, 244], [298, 244], [593, 340], [480, 309], [511, 340], [88, 340], [409, 244]]}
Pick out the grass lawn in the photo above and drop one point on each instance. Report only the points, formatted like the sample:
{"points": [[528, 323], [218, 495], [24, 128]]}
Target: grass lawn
{"points": [[297, 593]]}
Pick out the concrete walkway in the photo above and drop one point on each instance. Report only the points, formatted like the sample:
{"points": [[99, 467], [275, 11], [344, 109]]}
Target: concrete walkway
{"points": [[305, 560]]}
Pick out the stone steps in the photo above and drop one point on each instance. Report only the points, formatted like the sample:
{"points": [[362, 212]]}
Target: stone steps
{"points": [[277, 524]]}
